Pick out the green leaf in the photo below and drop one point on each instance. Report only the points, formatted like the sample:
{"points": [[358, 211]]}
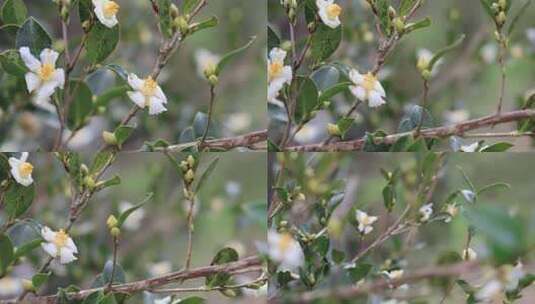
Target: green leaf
{"points": [[497, 147], [189, 5], [114, 181], [344, 124], [85, 10], [440, 53], [101, 42], [123, 216], [413, 26], [307, 98], [405, 6], [358, 272], [34, 36], [402, 144], [273, 38], [119, 71], [14, 12], [104, 99], [224, 256], [6, 253], [487, 5], [383, 15], [229, 56], [100, 161], [12, 63], [412, 118], [325, 77], [338, 256], [122, 133], [94, 298], [517, 16], [193, 300], [204, 176], [18, 199], [166, 21], [26, 248], [39, 279], [325, 42], [494, 187], [206, 24], [82, 104], [389, 197], [118, 276], [321, 245], [200, 121], [333, 91], [108, 299]]}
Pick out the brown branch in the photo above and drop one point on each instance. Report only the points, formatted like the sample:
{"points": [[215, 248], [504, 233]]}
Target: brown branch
{"points": [[383, 284], [249, 264], [439, 132]]}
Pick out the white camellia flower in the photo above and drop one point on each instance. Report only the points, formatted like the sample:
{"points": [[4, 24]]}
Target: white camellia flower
{"points": [[278, 73], [367, 88], [425, 212], [21, 170], [365, 221], [147, 93], [490, 291], [43, 77], [106, 11], [451, 210], [206, 62], [285, 250], [59, 245], [329, 12], [469, 254]]}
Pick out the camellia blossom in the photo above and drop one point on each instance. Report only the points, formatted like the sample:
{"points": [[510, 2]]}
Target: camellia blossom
{"points": [[43, 77], [329, 12], [59, 245], [278, 73], [425, 212], [365, 221], [147, 93], [285, 250], [367, 88], [106, 11], [21, 170], [206, 62]]}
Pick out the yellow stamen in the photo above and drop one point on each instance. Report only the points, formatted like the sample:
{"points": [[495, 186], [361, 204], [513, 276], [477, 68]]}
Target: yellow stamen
{"points": [[333, 10], [285, 241], [110, 9], [275, 69], [60, 240], [149, 86], [369, 82], [46, 71], [25, 169]]}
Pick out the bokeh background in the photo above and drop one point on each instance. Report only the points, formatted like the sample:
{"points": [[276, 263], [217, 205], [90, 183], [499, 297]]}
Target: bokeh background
{"points": [[240, 104], [231, 211], [467, 83], [359, 176]]}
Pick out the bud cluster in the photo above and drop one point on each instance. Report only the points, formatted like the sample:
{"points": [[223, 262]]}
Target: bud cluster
{"points": [[180, 23], [188, 167], [291, 9], [500, 8], [113, 226]]}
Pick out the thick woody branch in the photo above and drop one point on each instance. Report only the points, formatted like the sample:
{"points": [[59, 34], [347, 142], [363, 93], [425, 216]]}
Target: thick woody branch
{"points": [[250, 264], [379, 285], [440, 132]]}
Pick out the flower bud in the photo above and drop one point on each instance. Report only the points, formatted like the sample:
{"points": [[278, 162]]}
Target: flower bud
{"points": [[422, 64], [115, 232], [84, 169], [500, 19], [189, 176], [191, 161], [89, 182], [174, 11], [27, 285], [426, 74], [182, 24], [286, 45], [86, 26], [109, 138], [399, 25], [188, 194], [333, 130], [391, 12], [213, 80], [502, 4], [64, 13], [112, 221], [184, 166], [300, 196]]}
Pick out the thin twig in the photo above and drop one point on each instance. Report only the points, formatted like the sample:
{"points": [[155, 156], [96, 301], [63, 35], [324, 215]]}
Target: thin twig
{"points": [[210, 113], [424, 105], [256, 283], [189, 251], [114, 266]]}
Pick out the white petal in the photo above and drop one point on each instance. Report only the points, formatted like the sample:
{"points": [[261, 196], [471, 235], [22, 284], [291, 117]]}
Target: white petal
{"points": [[48, 234], [356, 77], [137, 98], [29, 60], [70, 244], [109, 22], [135, 82], [287, 74], [50, 248], [375, 99], [156, 106], [59, 78], [45, 91], [49, 56], [32, 81], [379, 88], [358, 91], [24, 156], [160, 95], [277, 54], [66, 256]]}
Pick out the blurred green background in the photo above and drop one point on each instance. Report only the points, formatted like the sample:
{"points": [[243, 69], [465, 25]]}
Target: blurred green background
{"points": [[231, 211], [240, 102], [467, 82]]}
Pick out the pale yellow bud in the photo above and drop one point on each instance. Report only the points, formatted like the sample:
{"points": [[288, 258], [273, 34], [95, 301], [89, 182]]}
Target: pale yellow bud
{"points": [[109, 138], [115, 232], [112, 221], [333, 130], [189, 176], [191, 161]]}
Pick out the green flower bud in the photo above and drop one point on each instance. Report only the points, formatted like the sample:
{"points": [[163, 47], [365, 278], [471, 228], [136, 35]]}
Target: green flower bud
{"points": [[182, 24], [184, 166], [501, 18], [426, 74], [115, 232], [27, 285], [174, 11], [89, 182], [391, 12], [191, 161], [189, 176], [213, 80], [333, 130], [109, 138], [86, 26], [399, 25], [112, 221], [64, 13], [286, 45], [84, 169], [502, 4]]}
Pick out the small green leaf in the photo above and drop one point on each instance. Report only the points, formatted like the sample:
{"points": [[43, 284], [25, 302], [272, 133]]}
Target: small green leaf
{"points": [[166, 21], [100, 161], [412, 118], [6, 253], [383, 15], [118, 276], [26, 248], [119, 71], [104, 99], [193, 300], [344, 124], [498, 147], [114, 181], [39, 279], [338, 256], [273, 38], [12, 63], [517, 16], [85, 10], [82, 104], [325, 77], [203, 25], [325, 42], [426, 22], [321, 245], [14, 12], [206, 174], [494, 187], [224, 256], [123, 216], [94, 298], [440, 53], [18, 199], [389, 197], [334, 90], [229, 56], [307, 98], [405, 6], [122, 133], [189, 5], [34, 36], [359, 272], [101, 42], [108, 299], [200, 121]]}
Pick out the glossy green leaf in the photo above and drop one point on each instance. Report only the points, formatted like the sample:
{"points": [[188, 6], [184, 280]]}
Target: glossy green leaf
{"points": [[6, 253], [273, 38], [344, 124], [122, 133], [229, 56], [34, 36], [26, 248], [333, 91], [81, 106], [413, 26], [325, 42], [498, 147], [104, 99], [123, 216], [307, 98], [193, 300], [358, 272], [39, 279], [14, 12], [224, 256], [189, 5], [166, 21], [383, 15], [85, 10], [203, 25], [412, 118], [12, 63], [325, 77], [101, 42], [440, 53], [18, 199]]}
